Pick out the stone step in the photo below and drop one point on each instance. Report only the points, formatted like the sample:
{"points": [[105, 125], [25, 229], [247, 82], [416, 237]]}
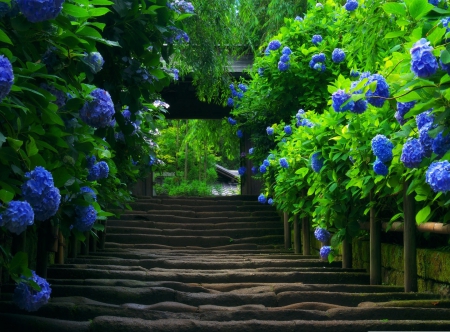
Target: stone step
{"points": [[204, 220], [151, 206], [193, 226], [230, 232]]}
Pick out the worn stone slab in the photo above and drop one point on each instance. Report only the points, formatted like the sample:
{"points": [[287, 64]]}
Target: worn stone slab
{"points": [[21, 323]]}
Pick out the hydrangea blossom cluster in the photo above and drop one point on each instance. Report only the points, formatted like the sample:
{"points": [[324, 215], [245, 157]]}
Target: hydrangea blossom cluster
{"points": [[127, 117], [354, 73], [270, 201], [438, 176], [325, 251], [262, 169], [288, 130], [426, 140], [298, 18], [380, 168], [26, 298], [85, 217], [51, 59], [338, 55], [239, 133], [425, 118], [40, 10], [434, 2], [441, 144], [17, 217], [316, 39], [402, 109], [181, 6], [230, 102], [423, 62], [284, 163], [284, 64], [95, 61], [175, 73], [6, 76], [61, 97], [98, 171], [90, 161], [445, 23], [254, 170], [382, 148], [177, 35], [339, 98], [274, 45], [39, 190], [242, 170], [316, 162], [318, 62], [377, 97], [351, 5], [99, 111], [262, 199], [412, 153], [269, 130], [89, 191], [444, 66], [322, 235]]}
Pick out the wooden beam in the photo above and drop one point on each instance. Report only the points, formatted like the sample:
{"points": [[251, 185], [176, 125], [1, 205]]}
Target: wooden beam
{"points": [[287, 231], [375, 246], [306, 236], [409, 242], [296, 235]]}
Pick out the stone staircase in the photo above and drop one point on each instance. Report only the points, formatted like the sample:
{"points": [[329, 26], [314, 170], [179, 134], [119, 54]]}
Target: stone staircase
{"points": [[215, 264]]}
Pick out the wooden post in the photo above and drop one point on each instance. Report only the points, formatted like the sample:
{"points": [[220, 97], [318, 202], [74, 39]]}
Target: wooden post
{"points": [[375, 246], [409, 242], [287, 232], [296, 235], [53, 239], [346, 254], [60, 257], [306, 237], [73, 247], [93, 242], [102, 237], [85, 246], [19, 242], [42, 252]]}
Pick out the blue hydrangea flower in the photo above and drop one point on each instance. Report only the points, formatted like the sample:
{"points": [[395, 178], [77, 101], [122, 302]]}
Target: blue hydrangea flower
{"points": [[239, 133], [426, 140], [266, 163], [283, 66], [269, 130], [262, 169], [99, 111], [445, 23], [250, 151], [230, 102], [61, 97], [95, 61], [260, 71], [300, 114], [18, 216], [322, 235], [378, 97], [298, 18], [284, 58], [318, 58], [85, 217], [48, 206], [40, 10], [351, 5], [94, 173], [262, 199], [90, 161], [424, 118], [412, 153], [444, 66], [270, 201], [402, 109], [359, 107], [286, 51], [267, 51], [320, 67], [274, 45], [104, 170], [26, 298], [6, 76], [354, 73], [438, 176], [176, 74], [288, 130], [325, 251], [380, 168], [284, 163], [232, 121], [339, 98], [319, 5], [382, 148], [242, 170], [434, 2], [305, 123], [254, 169], [316, 39], [89, 191], [243, 87], [441, 144], [338, 55], [423, 62], [316, 162]]}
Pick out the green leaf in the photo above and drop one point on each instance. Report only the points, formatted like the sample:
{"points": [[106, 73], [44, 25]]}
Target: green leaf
{"points": [[14, 143], [4, 38], [18, 263], [395, 8], [105, 154], [2, 139], [418, 8], [445, 56], [74, 10], [423, 214], [51, 117], [98, 11], [6, 196], [78, 235], [61, 176], [395, 34], [31, 147], [91, 32], [98, 227], [101, 2]]}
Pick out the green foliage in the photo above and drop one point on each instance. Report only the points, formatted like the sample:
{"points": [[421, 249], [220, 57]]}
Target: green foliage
{"points": [[174, 186]]}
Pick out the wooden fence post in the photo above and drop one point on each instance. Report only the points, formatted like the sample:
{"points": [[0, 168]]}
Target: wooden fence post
{"points": [[102, 236], [287, 231], [306, 237], [85, 246], [73, 246], [409, 242], [19, 242], [375, 246], [346, 254], [42, 250], [296, 235], [61, 246]]}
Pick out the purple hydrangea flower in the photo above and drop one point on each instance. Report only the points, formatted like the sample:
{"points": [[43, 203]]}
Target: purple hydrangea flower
{"points": [[351, 5], [325, 251], [26, 298], [445, 23], [90, 192], [18, 216], [339, 98], [288, 130], [424, 118], [95, 61], [90, 161], [320, 67], [305, 123], [412, 153], [284, 163], [402, 109], [441, 144], [434, 2], [274, 45], [175, 73], [316, 162], [99, 111], [266, 163], [359, 107], [85, 217], [269, 130], [318, 58], [423, 62], [242, 170], [262, 169], [316, 39], [239, 133], [284, 58], [438, 176], [232, 121], [283, 66], [354, 73], [322, 235], [338, 55], [6, 76], [94, 173], [40, 10], [262, 199], [382, 148], [378, 97], [380, 168]]}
